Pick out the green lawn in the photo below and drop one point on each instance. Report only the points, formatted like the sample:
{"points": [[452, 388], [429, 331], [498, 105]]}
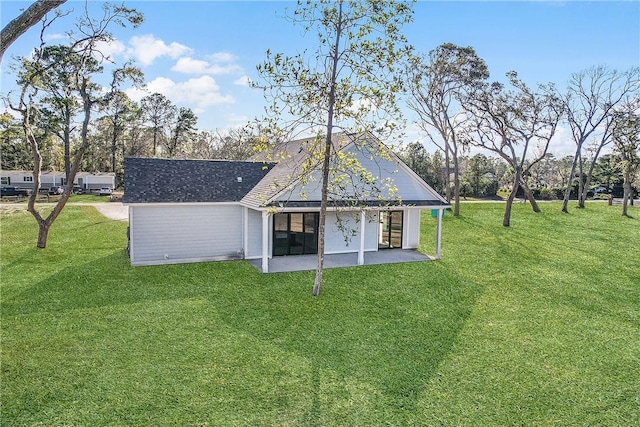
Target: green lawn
{"points": [[536, 324]]}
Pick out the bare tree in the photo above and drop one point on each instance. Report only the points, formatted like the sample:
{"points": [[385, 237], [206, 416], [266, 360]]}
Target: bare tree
{"points": [[512, 124], [182, 133], [435, 87], [159, 111], [27, 19], [231, 144], [348, 83], [626, 137], [591, 98], [79, 72], [120, 111], [54, 73]]}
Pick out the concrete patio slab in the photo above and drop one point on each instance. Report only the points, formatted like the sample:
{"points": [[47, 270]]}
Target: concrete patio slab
{"points": [[282, 264]]}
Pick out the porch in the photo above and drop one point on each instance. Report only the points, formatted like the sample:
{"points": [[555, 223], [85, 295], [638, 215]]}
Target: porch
{"points": [[281, 264]]}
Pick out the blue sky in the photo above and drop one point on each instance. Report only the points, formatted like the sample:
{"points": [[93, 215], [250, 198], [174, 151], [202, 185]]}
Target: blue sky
{"points": [[200, 53]]}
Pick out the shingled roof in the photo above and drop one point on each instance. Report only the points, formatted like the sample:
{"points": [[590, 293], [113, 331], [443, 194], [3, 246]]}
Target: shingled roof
{"points": [[152, 180], [283, 185]]}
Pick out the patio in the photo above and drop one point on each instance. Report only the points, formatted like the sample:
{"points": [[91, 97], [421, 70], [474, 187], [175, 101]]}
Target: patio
{"points": [[281, 264]]}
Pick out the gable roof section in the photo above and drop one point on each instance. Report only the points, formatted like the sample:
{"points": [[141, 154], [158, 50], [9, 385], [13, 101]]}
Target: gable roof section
{"points": [[153, 180], [283, 186], [289, 157]]}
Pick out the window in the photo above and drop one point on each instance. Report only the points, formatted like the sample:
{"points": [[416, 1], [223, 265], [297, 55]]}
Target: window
{"points": [[295, 233], [27, 178], [390, 230], [5, 180]]}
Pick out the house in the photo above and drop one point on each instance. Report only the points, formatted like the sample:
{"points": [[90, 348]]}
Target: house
{"points": [[85, 180], [207, 210]]}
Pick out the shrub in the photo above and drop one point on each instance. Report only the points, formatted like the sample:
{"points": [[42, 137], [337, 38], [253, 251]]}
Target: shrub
{"points": [[546, 194]]}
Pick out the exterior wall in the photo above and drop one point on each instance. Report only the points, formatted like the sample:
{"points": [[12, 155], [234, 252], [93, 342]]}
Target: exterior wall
{"points": [[335, 241], [95, 181], [411, 229], [18, 179], [254, 249], [334, 237], [389, 175], [51, 179], [170, 234]]}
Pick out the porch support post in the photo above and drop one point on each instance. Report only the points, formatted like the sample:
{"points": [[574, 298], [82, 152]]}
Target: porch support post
{"points": [[265, 242], [439, 233], [361, 249], [245, 231]]}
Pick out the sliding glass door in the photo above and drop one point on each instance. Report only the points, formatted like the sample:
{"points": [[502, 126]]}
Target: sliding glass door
{"points": [[295, 233], [390, 236]]}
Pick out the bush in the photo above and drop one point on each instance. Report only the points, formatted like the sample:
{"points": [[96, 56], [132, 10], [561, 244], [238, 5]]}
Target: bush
{"points": [[491, 189], [546, 194], [558, 193]]}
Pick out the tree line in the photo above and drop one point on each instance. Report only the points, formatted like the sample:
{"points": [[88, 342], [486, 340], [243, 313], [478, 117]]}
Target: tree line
{"points": [[153, 127], [458, 107], [489, 177]]}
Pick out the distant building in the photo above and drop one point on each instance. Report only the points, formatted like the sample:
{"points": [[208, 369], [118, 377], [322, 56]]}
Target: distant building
{"points": [[85, 180]]}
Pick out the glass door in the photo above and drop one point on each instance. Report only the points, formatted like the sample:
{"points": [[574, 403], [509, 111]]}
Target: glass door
{"points": [[390, 234], [295, 233], [280, 234]]}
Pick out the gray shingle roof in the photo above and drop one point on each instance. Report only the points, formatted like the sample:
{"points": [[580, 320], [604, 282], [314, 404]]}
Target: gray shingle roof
{"points": [[151, 180], [287, 172], [277, 188]]}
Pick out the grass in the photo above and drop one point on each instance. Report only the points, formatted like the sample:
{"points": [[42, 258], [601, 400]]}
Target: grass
{"points": [[536, 324], [45, 198]]}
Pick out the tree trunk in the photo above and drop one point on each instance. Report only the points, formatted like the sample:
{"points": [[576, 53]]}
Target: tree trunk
{"points": [[529, 195], [567, 192], [155, 141], [447, 177], [114, 149], [26, 20], [587, 182], [67, 144], [506, 221], [628, 192], [581, 191], [456, 187], [322, 219], [327, 156], [43, 233]]}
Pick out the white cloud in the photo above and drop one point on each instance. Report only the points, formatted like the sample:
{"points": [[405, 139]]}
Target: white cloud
{"points": [[562, 142], [147, 48], [362, 105], [195, 66], [243, 81], [223, 57], [190, 66], [54, 36], [236, 120], [111, 49], [198, 93]]}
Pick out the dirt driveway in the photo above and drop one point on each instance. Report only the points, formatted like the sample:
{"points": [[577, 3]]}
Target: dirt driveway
{"points": [[113, 210]]}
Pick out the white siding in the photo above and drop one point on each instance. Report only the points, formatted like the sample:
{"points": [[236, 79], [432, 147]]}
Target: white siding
{"points": [[255, 235], [411, 231], [335, 238], [388, 173], [91, 182], [175, 234]]}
